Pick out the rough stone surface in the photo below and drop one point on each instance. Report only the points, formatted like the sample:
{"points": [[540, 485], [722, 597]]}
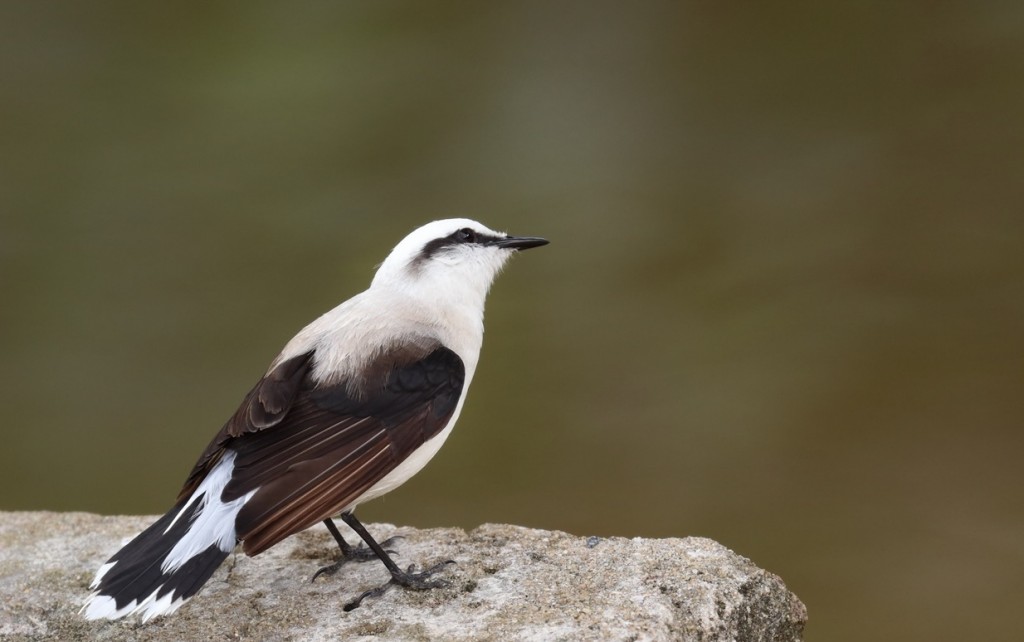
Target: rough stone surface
{"points": [[509, 583]]}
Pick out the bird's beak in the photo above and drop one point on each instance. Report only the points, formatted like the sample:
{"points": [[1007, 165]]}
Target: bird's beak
{"points": [[521, 242]]}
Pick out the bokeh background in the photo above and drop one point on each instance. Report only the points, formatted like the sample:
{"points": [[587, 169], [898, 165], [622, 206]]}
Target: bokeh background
{"points": [[783, 306]]}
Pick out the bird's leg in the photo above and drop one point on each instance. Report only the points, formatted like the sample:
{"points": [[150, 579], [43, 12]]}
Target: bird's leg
{"points": [[350, 553], [408, 578]]}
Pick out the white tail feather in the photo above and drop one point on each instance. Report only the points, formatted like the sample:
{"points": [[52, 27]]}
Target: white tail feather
{"points": [[215, 521], [212, 524]]}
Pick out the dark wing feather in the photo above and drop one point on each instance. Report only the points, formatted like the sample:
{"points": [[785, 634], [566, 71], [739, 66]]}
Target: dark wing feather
{"points": [[265, 406], [311, 450]]}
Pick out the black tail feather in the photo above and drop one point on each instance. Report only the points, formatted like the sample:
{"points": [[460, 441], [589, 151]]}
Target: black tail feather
{"points": [[135, 575]]}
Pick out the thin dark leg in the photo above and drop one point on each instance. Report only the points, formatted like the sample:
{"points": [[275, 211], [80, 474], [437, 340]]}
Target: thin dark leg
{"points": [[407, 578], [342, 544], [349, 553]]}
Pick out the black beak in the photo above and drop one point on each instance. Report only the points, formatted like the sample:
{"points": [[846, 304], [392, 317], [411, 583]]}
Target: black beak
{"points": [[521, 242]]}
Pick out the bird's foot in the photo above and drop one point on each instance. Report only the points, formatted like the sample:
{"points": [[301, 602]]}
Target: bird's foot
{"points": [[407, 579], [359, 553]]}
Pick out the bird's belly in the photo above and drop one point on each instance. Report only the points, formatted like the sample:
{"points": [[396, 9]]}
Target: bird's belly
{"points": [[412, 464]]}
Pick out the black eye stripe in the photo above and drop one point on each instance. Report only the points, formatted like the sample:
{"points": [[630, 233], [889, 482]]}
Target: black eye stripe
{"points": [[463, 236]]}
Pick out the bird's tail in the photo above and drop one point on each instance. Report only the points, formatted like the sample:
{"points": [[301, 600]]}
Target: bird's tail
{"points": [[166, 564]]}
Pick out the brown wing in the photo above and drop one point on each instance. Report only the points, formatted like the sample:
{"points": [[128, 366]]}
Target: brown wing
{"points": [[308, 451], [264, 407]]}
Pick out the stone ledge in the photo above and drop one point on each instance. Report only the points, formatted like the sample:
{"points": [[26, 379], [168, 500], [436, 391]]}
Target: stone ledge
{"points": [[510, 583]]}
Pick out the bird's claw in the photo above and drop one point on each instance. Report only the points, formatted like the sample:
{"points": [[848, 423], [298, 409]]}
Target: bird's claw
{"points": [[408, 579], [359, 553]]}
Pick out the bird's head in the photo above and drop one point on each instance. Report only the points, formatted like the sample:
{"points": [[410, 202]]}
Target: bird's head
{"points": [[449, 257]]}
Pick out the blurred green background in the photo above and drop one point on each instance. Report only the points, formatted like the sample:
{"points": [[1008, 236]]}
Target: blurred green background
{"points": [[783, 306]]}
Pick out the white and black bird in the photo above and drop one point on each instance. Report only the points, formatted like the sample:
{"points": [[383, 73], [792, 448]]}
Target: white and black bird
{"points": [[357, 403]]}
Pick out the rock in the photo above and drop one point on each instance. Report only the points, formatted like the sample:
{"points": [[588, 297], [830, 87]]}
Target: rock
{"points": [[509, 583]]}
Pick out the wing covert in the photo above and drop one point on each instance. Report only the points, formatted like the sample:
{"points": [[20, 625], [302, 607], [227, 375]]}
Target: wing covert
{"points": [[309, 451]]}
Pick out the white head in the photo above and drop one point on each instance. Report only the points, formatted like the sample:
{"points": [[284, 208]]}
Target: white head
{"points": [[453, 258], [433, 284]]}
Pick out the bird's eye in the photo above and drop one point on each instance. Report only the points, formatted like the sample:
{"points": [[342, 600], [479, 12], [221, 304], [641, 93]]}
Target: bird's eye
{"points": [[466, 235]]}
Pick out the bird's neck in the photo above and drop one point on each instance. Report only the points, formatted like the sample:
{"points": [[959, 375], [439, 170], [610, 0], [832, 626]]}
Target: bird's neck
{"points": [[457, 317], [352, 333]]}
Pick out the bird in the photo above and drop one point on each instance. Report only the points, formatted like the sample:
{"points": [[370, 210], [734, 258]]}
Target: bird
{"points": [[352, 407]]}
